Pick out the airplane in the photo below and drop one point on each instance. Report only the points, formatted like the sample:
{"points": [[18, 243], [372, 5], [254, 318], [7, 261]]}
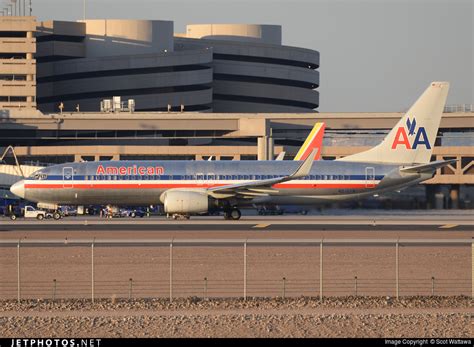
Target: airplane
{"points": [[187, 188]]}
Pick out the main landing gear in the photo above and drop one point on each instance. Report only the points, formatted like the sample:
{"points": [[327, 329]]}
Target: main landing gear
{"points": [[233, 214], [176, 216]]}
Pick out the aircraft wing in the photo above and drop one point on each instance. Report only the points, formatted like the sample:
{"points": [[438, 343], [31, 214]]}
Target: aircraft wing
{"points": [[427, 167], [261, 187]]}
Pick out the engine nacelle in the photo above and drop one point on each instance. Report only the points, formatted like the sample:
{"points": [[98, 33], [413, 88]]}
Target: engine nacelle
{"points": [[185, 201]]}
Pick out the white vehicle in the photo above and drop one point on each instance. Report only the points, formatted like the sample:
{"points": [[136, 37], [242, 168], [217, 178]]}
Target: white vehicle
{"points": [[31, 212]]}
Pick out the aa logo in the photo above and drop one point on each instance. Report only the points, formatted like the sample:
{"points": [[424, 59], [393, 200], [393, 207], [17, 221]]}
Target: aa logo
{"points": [[404, 134]]}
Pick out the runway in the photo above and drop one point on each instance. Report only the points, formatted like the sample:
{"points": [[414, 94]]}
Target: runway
{"points": [[380, 226]]}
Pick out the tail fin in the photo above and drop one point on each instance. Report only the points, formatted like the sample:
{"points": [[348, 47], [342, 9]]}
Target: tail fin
{"points": [[314, 140], [411, 141]]}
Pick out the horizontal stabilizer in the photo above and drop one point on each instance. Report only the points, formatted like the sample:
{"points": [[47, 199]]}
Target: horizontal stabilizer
{"points": [[428, 167]]}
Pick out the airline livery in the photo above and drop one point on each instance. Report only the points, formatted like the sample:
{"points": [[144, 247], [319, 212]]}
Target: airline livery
{"points": [[195, 187]]}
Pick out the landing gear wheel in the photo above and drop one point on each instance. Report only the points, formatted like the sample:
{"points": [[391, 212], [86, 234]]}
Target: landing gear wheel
{"points": [[56, 215], [235, 214]]}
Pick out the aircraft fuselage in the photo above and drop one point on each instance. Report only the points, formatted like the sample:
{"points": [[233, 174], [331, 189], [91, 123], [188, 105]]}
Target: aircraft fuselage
{"points": [[142, 182]]}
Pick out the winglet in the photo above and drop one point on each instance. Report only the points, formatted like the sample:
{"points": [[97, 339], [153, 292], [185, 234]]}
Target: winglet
{"points": [[304, 169], [281, 156], [314, 140]]}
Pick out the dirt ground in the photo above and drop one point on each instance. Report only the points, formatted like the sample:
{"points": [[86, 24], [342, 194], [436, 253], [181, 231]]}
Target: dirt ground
{"points": [[256, 317]]}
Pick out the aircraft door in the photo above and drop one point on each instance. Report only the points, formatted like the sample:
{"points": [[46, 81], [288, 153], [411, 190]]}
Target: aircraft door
{"points": [[68, 177], [369, 177]]}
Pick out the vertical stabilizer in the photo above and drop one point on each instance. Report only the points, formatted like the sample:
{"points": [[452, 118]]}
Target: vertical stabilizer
{"points": [[412, 140]]}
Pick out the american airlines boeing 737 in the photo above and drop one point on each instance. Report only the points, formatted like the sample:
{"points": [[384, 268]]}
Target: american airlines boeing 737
{"points": [[195, 187]]}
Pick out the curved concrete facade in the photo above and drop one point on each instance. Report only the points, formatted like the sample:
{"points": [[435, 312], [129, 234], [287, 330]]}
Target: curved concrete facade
{"points": [[153, 80], [133, 59], [253, 72], [236, 32], [213, 67]]}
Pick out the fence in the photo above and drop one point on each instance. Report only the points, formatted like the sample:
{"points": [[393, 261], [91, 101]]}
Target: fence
{"points": [[240, 284]]}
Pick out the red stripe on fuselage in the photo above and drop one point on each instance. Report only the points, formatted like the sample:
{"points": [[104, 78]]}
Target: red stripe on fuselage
{"points": [[185, 185]]}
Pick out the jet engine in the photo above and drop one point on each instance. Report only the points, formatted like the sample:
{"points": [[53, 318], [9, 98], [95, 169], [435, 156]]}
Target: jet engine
{"points": [[185, 201]]}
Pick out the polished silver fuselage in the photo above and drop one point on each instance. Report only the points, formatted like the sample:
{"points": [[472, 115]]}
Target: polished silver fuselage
{"points": [[142, 182]]}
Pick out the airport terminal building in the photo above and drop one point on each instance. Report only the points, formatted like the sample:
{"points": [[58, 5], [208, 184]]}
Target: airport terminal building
{"points": [[135, 89], [210, 68]]}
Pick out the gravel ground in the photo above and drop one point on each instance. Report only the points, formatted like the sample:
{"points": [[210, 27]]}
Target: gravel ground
{"points": [[256, 317]]}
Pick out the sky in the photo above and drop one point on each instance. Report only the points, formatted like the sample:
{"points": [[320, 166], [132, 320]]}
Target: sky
{"points": [[375, 55]]}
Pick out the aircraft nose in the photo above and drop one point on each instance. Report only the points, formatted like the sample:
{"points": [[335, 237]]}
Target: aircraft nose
{"points": [[18, 189]]}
